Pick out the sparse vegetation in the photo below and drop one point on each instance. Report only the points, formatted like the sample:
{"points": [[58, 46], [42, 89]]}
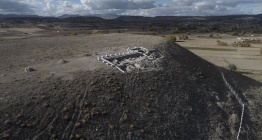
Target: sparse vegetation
{"points": [[95, 32], [221, 43], [171, 38], [241, 44], [210, 49], [73, 33], [183, 37], [254, 41]]}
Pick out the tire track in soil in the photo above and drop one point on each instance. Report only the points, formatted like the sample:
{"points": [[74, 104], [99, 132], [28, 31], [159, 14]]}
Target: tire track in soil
{"points": [[53, 112], [78, 116], [80, 108], [39, 134]]}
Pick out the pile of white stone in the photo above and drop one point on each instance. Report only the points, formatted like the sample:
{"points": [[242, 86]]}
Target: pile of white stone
{"points": [[121, 60]]}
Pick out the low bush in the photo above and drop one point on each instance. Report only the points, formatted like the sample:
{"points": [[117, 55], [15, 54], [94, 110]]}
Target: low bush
{"points": [[171, 38], [183, 37], [73, 33], [241, 44], [95, 32], [254, 41], [221, 43]]}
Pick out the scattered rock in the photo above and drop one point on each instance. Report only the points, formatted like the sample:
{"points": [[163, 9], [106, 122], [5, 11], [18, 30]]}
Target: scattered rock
{"points": [[111, 126], [23, 125], [6, 135], [62, 61], [29, 69], [7, 122], [66, 117], [131, 126], [54, 136], [18, 116], [78, 136], [85, 55], [78, 124], [50, 127]]}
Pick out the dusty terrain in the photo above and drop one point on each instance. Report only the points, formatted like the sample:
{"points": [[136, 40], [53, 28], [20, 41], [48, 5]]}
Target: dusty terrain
{"points": [[86, 99], [247, 59]]}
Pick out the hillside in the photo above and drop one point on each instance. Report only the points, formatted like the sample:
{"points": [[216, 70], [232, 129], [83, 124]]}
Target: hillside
{"points": [[186, 100]]}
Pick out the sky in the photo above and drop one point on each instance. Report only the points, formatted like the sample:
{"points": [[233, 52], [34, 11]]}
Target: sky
{"points": [[149, 8]]}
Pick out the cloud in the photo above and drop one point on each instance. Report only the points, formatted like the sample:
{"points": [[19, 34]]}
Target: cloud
{"points": [[183, 2], [14, 7], [204, 6], [118, 4], [131, 7]]}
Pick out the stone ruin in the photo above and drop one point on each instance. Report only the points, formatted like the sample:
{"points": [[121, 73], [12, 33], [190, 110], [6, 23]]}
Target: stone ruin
{"points": [[137, 58]]}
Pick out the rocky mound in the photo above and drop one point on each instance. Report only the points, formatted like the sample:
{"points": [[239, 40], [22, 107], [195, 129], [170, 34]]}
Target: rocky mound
{"points": [[185, 100]]}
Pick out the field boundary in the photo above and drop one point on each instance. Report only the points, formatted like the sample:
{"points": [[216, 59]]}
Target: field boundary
{"points": [[239, 101]]}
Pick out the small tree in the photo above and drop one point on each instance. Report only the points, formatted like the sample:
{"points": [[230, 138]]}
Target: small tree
{"points": [[171, 38]]}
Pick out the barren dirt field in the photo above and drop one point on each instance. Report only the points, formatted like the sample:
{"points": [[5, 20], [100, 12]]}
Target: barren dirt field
{"points": [[71, 95], [247, 59]]}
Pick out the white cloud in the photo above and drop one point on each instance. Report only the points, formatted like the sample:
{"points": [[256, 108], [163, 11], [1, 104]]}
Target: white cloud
{"points": [[204, 6], [183, 2], [118, 4], [131, 7]]}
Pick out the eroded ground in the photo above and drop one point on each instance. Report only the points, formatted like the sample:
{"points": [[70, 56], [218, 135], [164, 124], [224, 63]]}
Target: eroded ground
{"points": [[71, 95]]}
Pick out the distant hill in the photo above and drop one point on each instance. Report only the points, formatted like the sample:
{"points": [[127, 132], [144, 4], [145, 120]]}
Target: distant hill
{"points": [[69, 16], [17, 16], [128, 18], [104, 16]]}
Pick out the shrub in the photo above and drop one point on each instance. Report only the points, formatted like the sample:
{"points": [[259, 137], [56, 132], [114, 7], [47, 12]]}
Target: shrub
{"points": [[73, 33], [211, 35], [241, 44], [232, 67], [221, 43], [261, 51], [235, 34], [96, 32], [171, 38], [254, 41], [184, 37], [105, 31]]}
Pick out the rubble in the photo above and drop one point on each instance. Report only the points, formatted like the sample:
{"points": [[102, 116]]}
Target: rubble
{"points": [[137, 58]]}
